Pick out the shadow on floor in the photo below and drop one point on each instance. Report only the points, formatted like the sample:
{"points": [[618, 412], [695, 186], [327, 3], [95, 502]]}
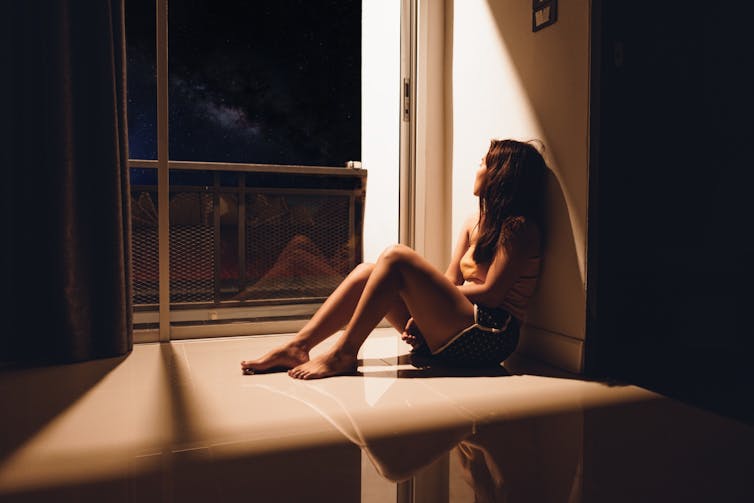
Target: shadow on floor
{"points": [[430, 367]]}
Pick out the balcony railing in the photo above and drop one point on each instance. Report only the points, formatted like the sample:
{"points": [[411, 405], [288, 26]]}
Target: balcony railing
{"points": [[246, 235]]}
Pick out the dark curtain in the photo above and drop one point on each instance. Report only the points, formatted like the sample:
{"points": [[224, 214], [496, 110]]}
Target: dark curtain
{"points": [[66, 196]]}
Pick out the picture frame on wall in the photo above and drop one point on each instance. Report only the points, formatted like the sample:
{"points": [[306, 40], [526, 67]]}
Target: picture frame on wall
{"points": [[544, 13]]}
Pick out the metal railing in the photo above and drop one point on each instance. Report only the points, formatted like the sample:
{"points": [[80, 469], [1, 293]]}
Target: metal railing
{"points": [[246, 234]]}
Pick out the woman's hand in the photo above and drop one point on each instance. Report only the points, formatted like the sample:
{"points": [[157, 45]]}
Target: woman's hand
{"points": [[413, 336]]}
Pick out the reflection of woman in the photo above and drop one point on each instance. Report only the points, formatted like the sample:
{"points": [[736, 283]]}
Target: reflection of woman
{"points": [[480, 471], [507, 462], [302, 262], [469, 316]]}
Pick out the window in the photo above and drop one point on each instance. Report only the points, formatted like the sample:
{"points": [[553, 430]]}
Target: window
{"points": [[265, 110], [269, 83]]}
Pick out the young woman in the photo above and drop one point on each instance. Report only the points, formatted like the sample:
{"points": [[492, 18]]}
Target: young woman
{"points": [[471, 315]]}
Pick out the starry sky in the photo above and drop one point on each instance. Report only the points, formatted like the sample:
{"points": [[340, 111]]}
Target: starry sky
{"points": [[258, 82]]}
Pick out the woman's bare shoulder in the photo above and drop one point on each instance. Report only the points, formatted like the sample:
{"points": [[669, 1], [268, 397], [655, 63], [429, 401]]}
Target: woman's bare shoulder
{"points": [[471, 221]]}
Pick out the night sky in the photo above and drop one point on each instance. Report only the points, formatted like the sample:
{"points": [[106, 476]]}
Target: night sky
{"points": [[258, 82]]}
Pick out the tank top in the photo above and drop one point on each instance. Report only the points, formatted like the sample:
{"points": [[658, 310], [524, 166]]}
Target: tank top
{"points": [[517, 299]]}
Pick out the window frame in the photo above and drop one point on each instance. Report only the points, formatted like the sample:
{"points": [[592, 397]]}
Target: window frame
{"points": [[407, 167]]}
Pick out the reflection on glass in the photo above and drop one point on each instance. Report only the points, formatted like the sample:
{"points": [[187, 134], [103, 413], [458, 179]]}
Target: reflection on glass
{"points": [[296, 246], [192, 244], [234, 244], [230, 279], [144, 249]]}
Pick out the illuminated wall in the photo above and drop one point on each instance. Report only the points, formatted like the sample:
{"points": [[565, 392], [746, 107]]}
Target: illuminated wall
{"points": [[506, 81]]}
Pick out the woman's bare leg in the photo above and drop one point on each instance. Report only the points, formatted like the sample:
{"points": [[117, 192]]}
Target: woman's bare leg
{"points": [[438, 307], [398, 315], [329, 318]]}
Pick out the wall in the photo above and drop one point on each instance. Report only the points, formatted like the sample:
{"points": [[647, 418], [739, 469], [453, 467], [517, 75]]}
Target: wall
{"points": [[507, 81]]}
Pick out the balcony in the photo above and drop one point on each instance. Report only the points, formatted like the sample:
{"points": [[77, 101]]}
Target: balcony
{"points": [[245, 239]]}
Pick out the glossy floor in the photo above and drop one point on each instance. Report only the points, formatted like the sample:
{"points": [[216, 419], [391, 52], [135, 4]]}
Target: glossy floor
{"points": [[179, 422]]}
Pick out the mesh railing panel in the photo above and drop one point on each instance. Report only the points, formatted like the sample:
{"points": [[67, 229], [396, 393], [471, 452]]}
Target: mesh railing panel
{"points": [[144, 253], [296, 245], [192, 247], [270, 244]]}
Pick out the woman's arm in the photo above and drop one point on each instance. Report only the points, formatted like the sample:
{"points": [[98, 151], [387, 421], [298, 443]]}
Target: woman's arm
{"points": [[453, 273], [505, 269]]}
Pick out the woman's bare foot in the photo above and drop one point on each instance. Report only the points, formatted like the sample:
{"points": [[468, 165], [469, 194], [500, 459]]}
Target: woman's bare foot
{"points": [[284, 357], [326, 365]]}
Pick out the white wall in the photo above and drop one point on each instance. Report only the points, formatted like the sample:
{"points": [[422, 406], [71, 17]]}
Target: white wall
{"points": [[380, 120], [508, 82]]}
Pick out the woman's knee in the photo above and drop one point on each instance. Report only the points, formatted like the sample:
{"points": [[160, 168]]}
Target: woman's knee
{"points": [[396, 254]]}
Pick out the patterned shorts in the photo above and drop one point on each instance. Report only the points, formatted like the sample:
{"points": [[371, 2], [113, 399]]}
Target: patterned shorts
{"points": [[490, 340]]}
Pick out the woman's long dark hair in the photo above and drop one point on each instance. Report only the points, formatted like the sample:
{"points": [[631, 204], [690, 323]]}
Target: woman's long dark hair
{"points": [[512, 195]]}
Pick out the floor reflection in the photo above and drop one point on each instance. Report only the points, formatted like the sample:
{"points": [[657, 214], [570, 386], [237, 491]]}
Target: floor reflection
{"points": [[587, 448], [651, 451], [537, 459]]}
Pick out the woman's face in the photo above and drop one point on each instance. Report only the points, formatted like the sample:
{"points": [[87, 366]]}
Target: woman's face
{"points": [[481, 177]]}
